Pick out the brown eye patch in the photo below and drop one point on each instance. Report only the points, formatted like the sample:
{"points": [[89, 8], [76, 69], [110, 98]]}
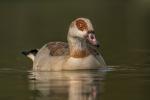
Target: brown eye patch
{"points": [[81, 25]]}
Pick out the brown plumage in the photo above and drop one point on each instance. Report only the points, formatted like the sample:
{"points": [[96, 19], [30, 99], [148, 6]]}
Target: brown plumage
{"points": [[62, 48], [58, 48]]}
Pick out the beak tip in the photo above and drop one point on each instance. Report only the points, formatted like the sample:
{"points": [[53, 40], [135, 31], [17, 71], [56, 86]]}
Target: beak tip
{"points": [[97, 45]]}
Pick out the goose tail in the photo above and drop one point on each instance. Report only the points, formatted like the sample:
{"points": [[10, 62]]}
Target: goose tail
{"points": [[30, 54]]}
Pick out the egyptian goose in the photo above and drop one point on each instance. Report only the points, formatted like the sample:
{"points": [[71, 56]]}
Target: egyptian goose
{"points": [[81, 51]]}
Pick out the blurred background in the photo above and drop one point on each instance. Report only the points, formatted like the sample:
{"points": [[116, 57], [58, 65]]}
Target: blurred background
{"points": [[121, 26]]}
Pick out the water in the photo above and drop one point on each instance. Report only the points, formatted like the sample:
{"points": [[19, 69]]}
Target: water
{"points": [[115, 83], [121, 26]]}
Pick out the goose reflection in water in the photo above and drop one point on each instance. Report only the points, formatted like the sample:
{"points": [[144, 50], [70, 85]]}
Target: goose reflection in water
{"points": [[72, 85]]}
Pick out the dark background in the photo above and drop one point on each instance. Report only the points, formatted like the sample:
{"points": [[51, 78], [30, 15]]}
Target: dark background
{"points": [[122, 27]]}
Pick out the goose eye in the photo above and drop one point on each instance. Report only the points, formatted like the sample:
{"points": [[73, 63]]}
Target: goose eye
{"points": [[81, 25]]}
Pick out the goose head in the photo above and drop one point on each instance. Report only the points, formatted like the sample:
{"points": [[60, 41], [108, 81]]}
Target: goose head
{"points": [[82, 29]]}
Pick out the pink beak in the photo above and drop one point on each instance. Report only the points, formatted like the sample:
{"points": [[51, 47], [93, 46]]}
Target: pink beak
{"points": [[92, 39]]}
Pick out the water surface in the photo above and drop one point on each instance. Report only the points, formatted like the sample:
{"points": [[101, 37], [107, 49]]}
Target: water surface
{"points": [[114, 83]]}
